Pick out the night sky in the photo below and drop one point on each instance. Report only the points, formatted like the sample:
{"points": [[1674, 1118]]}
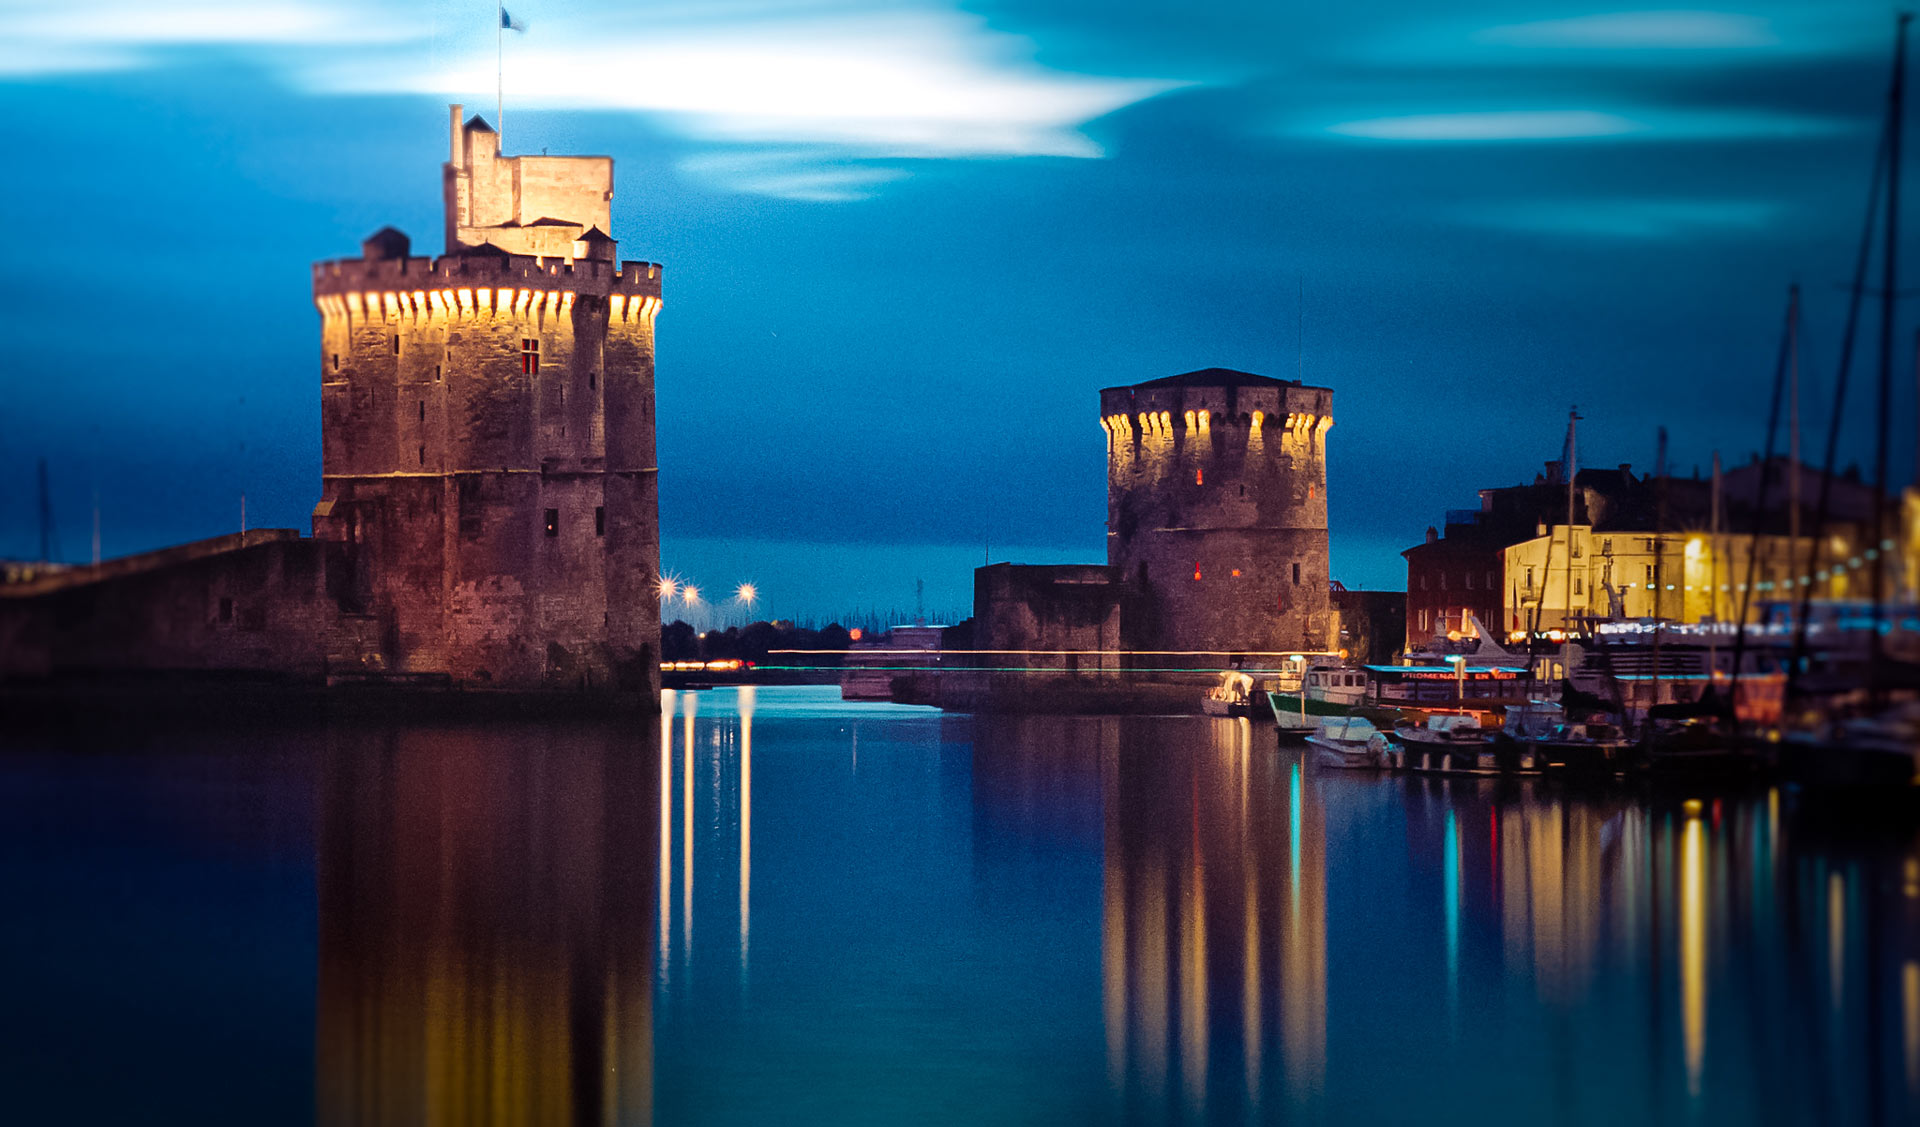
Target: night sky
{"points": [[906, 243]]}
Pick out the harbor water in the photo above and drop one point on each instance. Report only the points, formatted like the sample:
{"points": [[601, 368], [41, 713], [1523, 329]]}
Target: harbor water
{"points": [[769, 906]]}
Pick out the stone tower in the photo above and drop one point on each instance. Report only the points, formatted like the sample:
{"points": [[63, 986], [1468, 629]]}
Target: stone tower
{"points": [[488, 433], [1217, 512]]}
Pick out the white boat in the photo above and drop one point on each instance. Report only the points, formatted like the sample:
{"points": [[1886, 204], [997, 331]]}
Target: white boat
{"points": [[1233, 696], [1348, 742]]}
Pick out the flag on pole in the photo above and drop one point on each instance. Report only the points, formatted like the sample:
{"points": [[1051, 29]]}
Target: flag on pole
{"points": [[508, 23]]}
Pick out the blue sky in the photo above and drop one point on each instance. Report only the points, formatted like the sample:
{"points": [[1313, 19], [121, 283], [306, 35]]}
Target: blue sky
{"points": [[906, 243]]}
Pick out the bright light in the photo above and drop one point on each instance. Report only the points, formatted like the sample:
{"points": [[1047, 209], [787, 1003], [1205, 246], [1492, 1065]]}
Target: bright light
{"points": [[690, 593], [746, 593], [1693, 548], [668, 587]]}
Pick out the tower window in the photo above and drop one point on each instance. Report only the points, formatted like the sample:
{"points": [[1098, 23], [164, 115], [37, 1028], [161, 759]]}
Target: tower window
{"points": [[591, 384], [553, 523], [1296, 575], [1199, 477], [226, 609], [423, 455], [423, 410], [599, 520], [336, 361], [1196, 569], [529, 355], [396, 344], [436, 373]]}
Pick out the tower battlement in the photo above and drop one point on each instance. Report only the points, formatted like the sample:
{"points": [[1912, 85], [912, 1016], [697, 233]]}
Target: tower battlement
{"points": [[470, 285]]}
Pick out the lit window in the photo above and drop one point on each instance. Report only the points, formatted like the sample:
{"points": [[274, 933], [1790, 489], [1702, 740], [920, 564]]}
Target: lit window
{"points": [[1196, 569], [1199, 477], [599, 520], [553, 523], [529, 356], [1236, 573]]}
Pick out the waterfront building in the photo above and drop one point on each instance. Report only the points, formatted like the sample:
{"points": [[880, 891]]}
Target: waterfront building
{"points": [[1639, 546]]}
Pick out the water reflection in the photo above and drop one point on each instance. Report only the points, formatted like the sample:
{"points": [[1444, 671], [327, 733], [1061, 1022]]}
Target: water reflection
{"points": [[1272, 936], [484, 951]]}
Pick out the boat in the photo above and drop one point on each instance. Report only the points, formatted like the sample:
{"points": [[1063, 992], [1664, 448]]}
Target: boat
{"points": [[1233, 696], [1447, 742], [1582, 746], [1324, 689], [1348, 742]]}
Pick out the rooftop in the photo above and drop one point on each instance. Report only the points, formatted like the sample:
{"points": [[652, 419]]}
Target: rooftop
{"points": [[1210, 377]]}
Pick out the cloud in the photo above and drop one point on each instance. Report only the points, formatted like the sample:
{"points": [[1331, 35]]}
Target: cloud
{"points": [[1639, 31], [869, 79], [1502, 125], [1642, 123], [814, 176], [1640, 219]]}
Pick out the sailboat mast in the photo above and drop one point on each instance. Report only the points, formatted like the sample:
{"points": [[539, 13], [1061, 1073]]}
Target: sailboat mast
{"points": [[1889, 264]]}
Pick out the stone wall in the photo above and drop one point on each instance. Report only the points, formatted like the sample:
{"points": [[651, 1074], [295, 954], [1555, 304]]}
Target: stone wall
{"points": [[1052, 611], [256, 602]]}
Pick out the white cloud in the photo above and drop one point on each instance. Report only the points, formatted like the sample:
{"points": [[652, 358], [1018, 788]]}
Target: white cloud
{"points": [[1501, 125], [1642, 123], [864, 79], [1639, 31]]}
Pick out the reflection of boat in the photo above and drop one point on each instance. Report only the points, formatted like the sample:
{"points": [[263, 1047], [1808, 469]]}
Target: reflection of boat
{"points": [[1233, 696], [1348, 741]]}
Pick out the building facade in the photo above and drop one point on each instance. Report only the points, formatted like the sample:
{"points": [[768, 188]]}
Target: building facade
{"points": [[1565, 574], [1217, 512], [487, 422]]}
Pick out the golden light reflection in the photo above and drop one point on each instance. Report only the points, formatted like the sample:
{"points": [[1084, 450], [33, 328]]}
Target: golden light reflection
{"points": [[667, 701], [748, 695], [1193, 979], [1910, 1022], [1693, 950], [1837, 937], [686, 831]]}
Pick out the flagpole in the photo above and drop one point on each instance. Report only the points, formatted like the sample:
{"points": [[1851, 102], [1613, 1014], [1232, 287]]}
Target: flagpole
{"points": [[499, 66]]}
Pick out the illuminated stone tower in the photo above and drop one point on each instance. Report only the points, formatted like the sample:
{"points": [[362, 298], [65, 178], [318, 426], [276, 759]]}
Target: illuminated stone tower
{"points": [[488, 433], [1217, 511]]}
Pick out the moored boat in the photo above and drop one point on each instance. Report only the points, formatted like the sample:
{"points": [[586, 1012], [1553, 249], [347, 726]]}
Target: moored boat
{"points": [[1348, 742]]}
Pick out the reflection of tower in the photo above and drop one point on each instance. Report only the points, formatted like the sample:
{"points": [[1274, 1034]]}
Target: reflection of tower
{"points": [[483, 931]]}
